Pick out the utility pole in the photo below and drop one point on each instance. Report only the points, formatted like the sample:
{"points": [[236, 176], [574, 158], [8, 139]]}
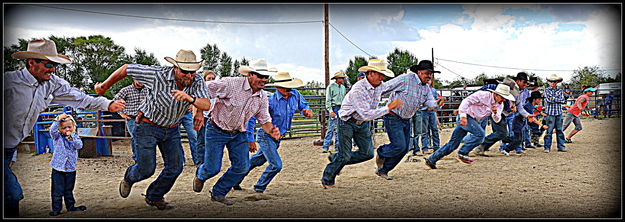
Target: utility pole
{"points": [[433, 66], [327, 48]]}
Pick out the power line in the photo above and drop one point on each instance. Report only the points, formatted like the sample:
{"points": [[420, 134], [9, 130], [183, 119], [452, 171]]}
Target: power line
{"points": [[345, 37], [502, 67], [173, 19], [449, 69]]}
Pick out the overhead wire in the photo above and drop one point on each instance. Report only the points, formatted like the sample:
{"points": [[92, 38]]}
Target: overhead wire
{"points": [[350, 41], [174, 19], [503, 67]]}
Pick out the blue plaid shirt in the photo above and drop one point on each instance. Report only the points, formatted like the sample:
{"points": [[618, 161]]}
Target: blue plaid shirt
{"points": [[65, 150], [554, 98]]}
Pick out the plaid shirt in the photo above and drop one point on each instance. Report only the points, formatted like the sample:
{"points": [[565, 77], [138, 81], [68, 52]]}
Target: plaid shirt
{"points": [[361, 102], [413, 93], [160, 106], [133, 97], [65, 150], [236, 104], [554, 98]]}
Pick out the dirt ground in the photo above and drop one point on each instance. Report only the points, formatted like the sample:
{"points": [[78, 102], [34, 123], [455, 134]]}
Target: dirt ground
{"points": [[583, 183]]}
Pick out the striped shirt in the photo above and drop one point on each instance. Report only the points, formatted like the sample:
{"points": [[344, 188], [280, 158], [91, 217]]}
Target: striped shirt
{"points": [[361, 102], [160, 106], [236, 104], [478, 105], [133, 97], [554, 98], [24, 98], [65, 150], [414, 94]]}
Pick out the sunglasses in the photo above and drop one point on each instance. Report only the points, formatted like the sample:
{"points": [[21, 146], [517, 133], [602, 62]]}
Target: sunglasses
{"points": [[186, 72], [260, 76], [48, 65]]}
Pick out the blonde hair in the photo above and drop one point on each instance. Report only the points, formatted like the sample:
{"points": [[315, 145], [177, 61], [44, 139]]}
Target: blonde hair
{"points": [[69, 118]]}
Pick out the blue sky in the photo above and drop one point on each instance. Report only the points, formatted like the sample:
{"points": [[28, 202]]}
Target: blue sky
{"points": [[548, 37]]}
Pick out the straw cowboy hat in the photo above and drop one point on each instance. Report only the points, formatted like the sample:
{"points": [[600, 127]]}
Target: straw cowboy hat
{"points": [[504, 91], [185, 59], [339, 75], [284, 80], [377, 65], [259, 66], [554, 78], [42, 49], [514, 89]]}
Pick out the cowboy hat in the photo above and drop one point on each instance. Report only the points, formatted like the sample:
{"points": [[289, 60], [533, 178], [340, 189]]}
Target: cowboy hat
{"points": [[554, 78], [377, 65], [259, 66], [514, 89], [284, 80], [424, 65], [339, 75], [42, 49], [534, 95], [185, 60], [504, 91], [521, 76]]}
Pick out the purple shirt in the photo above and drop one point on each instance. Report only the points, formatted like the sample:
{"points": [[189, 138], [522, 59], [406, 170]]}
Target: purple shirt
{"points": [[478, 105], [413, 93], [65, 150]]}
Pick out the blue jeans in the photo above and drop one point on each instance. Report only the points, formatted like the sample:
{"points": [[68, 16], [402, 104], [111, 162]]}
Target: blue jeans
{"points": [[431, 130], [472, 127], [517, 139], [526, 135], [130, 125], [12, 188], [238, 152], [554, 122], [500, 131], [201, 143], [332, 123], [483, 122], [416, 123], [398, 131], [62, 188], [187, 122], [362, 137], [147, 137], [268, 151], [510, 132]]}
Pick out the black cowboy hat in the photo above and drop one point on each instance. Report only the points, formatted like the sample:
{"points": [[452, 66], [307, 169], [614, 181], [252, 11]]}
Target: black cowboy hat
{"points": [[535, 95]]}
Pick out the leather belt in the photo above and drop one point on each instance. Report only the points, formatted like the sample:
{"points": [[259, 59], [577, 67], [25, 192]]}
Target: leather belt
{"points": [[225, 131], [150, 122], [355, 121], [395, 114]]}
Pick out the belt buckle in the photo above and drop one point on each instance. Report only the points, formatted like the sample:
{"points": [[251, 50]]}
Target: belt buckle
{"points": [[359, 122]]}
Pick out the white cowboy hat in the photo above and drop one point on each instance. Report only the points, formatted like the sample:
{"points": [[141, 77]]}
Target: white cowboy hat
{"points": [[554, 78], [42, 49], [504, 91], [284, 80], [259, 66], [185, 59], [377, 65], [339, 75]]}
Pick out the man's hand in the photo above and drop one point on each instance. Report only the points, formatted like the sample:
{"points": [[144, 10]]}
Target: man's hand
{"points": [[181, 95], [396, 103], [99, 88], [332, 114], [124, 116], [463, 121], [198, 121], [532, 119], [252, 146], [308, 113], [275, 133], [513, 107], [117, 105], [62, 116], [11, 164], [493, 109]]}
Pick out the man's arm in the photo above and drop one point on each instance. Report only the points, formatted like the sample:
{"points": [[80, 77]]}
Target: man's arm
{"points": [[119, 74]]}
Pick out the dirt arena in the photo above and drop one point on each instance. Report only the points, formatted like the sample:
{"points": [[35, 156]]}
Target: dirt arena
{"points": [[583, 183]]}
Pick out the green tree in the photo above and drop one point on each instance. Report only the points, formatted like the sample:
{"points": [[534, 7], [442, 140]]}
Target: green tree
{"points": [[352, 68], [11, 64], [211, 56], [225, 65], [235, 68], [142, 57], [586, 76], [399, 61]]}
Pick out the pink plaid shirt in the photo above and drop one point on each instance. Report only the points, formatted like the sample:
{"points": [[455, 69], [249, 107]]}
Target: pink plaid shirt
{"points": [[478, 105], [236, 104]]}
